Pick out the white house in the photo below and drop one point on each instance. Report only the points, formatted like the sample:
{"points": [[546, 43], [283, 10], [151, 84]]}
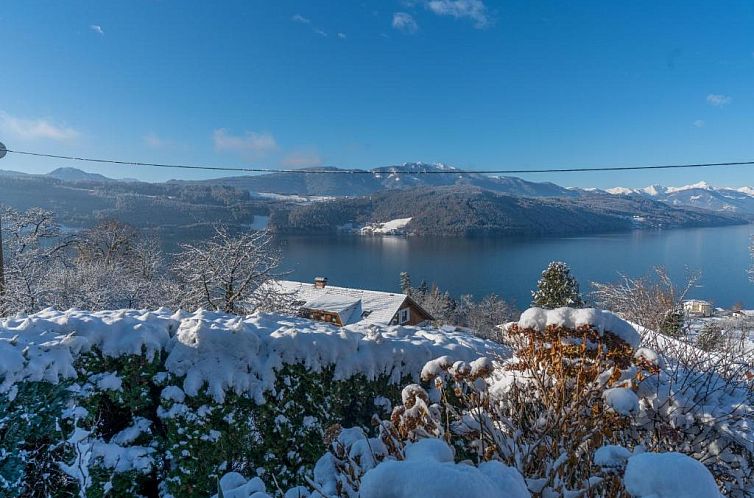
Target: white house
{"points": [[345, 306], [697, 307]]}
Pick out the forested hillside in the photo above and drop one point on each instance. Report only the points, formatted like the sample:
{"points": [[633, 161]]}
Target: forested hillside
{"points": [[445, 203], [174, 212], [469, 212]]}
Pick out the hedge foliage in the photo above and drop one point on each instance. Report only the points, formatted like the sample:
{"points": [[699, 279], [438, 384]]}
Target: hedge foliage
{"points": [[112, 432]]}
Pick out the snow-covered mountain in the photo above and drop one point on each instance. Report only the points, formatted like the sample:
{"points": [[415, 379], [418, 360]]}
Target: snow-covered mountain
{"points": [[387, 178], [699, 195]]}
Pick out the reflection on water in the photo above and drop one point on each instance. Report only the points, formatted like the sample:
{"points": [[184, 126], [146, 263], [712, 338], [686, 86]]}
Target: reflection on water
{"points": [[510, 267]]}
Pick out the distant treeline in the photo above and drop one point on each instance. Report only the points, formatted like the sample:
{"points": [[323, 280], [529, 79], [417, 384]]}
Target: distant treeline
{"points": [[470, 212]]}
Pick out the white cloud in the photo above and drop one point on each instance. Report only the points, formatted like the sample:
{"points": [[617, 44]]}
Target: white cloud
{"points": [[320, 32], [342, 36], [302, 159], [251, 144], [35, 129], [300, 19], [699, 123], [405, 22], [473, 10], [718, 100], [97, 29]]}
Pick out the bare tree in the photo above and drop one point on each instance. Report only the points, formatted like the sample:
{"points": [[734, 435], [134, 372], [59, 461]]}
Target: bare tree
{"points": [[31, 239], [652, 301], [485, 316], [110, 242], [230, 273], [110, 266]]}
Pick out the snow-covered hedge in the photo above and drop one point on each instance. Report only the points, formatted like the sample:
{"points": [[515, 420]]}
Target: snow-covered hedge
{"points": [[133, 402]]}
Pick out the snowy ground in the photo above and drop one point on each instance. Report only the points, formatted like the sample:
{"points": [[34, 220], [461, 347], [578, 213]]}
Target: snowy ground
{"points": [[299, 199], [392, 227], [738, 328]]}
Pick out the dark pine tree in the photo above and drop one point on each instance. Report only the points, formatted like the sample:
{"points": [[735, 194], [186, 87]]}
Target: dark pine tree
{"points": [[557, 288]]}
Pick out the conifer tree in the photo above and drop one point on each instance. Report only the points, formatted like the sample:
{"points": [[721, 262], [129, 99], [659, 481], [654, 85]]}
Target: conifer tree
{"points": [[405, 283], [557, 288]]}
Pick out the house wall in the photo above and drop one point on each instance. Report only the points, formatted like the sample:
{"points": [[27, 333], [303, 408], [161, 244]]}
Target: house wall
{"points": [[415, 317], [321, 316], [700, 308]]}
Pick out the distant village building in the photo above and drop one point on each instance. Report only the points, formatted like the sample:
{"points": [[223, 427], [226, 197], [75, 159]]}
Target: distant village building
{"points": [[698, 307], [346, 306]]}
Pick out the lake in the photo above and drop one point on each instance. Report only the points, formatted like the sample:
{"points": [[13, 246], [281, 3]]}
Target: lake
{"points": [[510, 267]]}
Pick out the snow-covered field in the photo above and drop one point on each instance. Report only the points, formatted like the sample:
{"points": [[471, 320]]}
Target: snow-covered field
{"points": [[392, 227], [299, 199]]}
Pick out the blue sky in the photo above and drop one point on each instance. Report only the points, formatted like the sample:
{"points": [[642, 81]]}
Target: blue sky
{"points": [[483, 85]]}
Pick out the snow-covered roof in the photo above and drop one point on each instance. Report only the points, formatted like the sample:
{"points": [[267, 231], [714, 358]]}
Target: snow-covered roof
{"points": [[352, 305]]}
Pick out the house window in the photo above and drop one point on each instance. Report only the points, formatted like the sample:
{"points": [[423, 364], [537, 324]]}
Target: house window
{"points": [[404, 315]]}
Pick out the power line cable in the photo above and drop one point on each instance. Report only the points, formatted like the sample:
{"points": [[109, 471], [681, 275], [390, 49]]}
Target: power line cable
{"points": [[387, 169]]}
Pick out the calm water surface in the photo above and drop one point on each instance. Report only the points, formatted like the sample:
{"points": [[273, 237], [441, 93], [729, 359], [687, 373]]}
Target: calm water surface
{"points": [[510, 267]]}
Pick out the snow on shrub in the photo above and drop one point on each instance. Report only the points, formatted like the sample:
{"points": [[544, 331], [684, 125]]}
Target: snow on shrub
{"points": [[539, 319], [234, 485], [429, 470], [142, 403], [668, 475], [577, 400]]}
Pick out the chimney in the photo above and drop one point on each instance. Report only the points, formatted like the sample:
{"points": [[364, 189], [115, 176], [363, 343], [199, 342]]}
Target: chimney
{"points": [[320, 282]]}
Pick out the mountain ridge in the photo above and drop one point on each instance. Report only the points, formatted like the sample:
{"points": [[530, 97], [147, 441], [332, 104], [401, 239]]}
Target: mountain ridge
{"points": [[699, 195], [322, 183]]}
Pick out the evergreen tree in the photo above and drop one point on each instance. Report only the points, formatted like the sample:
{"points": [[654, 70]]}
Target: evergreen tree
{"points": [[557, 288], [673, 321], [405, 283]]}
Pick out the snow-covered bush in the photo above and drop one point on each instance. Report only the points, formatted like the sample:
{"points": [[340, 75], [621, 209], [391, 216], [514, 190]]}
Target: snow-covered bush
{"points": [[125, 403], [702, 404], [568, 390], [578, 399], [668, 475]]}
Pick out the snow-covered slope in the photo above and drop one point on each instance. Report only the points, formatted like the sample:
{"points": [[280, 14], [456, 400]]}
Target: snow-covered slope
{"points": [[392, 227], [699, 195]]}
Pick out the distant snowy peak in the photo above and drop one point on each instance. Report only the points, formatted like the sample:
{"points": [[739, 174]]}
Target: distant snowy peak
{"points": [[695, 186], [654, 190], [651, 190], [622, 191], [658, 190], [700, 195]]}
